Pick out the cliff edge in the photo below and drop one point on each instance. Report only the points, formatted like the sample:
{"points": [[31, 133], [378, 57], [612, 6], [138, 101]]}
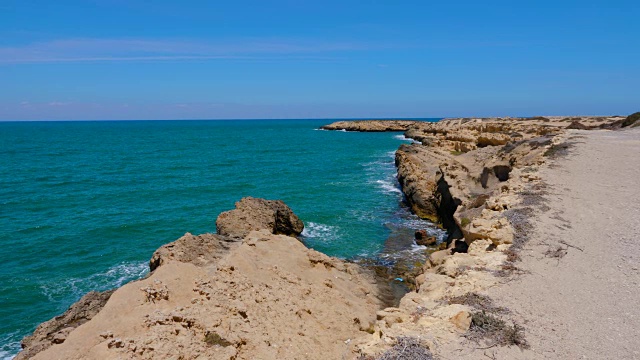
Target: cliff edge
{"points": [[247, 292], [479, 179]]}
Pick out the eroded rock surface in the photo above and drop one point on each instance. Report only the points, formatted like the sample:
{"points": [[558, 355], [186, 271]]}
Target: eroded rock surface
{"points": [[56, 330], [371, 125], [269, 298], [248, 293], [463, 166], [256, 214], [477, 178], [263, 296], [199, 250]]}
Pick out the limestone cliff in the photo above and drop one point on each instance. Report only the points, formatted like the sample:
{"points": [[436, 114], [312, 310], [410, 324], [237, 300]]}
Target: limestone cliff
{"points": [[252, 291], [477, 178], [458, 172], [215, 296]]}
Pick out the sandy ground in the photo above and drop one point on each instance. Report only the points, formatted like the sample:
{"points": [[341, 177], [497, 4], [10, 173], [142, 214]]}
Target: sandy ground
{"points": [[584, 305]]}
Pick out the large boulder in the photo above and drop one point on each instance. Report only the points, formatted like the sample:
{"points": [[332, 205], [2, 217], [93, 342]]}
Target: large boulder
{"points": [[258, 214]]}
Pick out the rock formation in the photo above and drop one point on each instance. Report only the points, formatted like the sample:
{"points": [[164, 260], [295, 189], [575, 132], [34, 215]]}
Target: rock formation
{"points": [[200, 250], [256, 214], [476, 178], [56, 330], [219, 296], [460, 164], [458, 172], [252, 291], [632, 120], [371, 125]]}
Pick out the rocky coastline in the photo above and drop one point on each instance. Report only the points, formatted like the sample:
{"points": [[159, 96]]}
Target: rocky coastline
{"points": [[250, 291], [477, 178], [254, 291]]}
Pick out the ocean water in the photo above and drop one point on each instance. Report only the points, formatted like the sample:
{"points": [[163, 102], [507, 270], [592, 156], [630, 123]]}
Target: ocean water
{"points": [[83, 205]]}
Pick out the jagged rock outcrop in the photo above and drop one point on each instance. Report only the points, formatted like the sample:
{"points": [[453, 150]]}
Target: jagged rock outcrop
{"points": [[632, 120], [461, 167], [418, 179], [423, 238], [56, 330], [269, 298], [468, 175], [255, 214], [494, 187], [213, 296], [577, 125]]}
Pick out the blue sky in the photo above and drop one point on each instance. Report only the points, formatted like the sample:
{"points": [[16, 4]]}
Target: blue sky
{"points": [[119, 59]]}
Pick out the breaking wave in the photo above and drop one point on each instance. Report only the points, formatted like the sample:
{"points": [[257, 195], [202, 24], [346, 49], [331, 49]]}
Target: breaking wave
{"points": [[388, 186], [114, 277], [319, 232]]}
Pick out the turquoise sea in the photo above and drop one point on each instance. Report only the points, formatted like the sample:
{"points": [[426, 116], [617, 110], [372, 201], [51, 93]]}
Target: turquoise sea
{"points": [[83, 205]]}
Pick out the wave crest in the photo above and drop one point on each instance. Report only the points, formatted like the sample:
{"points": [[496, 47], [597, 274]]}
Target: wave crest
{"points": [[388, 186], [114, 277], [319, 232]]}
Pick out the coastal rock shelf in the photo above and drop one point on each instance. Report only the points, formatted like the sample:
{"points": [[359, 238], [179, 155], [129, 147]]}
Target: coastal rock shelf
{"points": [[216, 296], [254, 291], [458, 170], [371, 125], [476, 177]]}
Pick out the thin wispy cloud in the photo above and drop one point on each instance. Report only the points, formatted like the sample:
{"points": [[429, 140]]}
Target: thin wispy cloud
{"points": [[120, 50]]}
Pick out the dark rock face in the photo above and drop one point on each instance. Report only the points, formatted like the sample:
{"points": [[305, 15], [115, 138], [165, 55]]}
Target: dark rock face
{"points": [[460, 246], [421, 234], [422, 238], [418, 190], [446, 208], [632, 120], [257, 214], [500, 171], [577, 125], [55, 331]]}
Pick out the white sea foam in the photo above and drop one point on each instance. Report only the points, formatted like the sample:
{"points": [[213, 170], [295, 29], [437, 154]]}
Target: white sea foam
{"points": [[113, 277], [362, 215], [64, 292], [388, 186], [319, 232], [404, 138], [10, 345], [10, 353]]}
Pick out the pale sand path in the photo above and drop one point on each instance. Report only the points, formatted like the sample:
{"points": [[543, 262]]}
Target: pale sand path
{"points": [[585, 305]]}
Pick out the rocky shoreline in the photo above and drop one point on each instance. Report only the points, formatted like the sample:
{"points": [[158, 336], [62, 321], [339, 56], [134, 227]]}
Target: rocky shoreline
{"points": [[250, 291], [478, 179], [253, 291]]}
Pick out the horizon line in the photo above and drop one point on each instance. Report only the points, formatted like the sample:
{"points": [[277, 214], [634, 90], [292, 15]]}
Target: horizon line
{"points": [[238, 119]]}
